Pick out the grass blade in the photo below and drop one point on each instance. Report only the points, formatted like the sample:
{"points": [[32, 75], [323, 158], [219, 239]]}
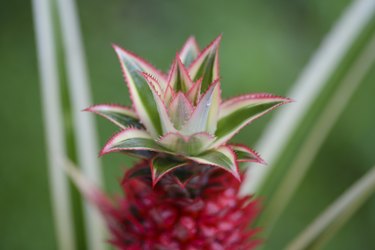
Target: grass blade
{"points": [[53, 123], [308, 87], [86, 137], [316, 136], [323, 228]]}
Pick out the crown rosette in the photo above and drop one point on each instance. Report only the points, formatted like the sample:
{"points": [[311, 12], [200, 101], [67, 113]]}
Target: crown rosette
{"points": [[179, 118]]}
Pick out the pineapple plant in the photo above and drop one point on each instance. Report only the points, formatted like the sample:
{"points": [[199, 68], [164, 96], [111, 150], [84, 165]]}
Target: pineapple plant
{"points": [[183, 194]]}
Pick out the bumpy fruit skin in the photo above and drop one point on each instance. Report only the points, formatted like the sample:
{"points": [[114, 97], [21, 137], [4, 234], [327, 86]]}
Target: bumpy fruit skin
{"points": [[204, 212]]}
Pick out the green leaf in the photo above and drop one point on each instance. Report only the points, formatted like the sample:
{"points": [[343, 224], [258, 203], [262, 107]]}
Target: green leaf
{"points": [[205, 115], [141, 154], [179, 78], [206, 65], [194, 92], [131, 139], [186, 145], [240, 111], [165, 120], [160, 166], [140, 91], [246, 154], [222, 157], [189, 51], [121, 116]]}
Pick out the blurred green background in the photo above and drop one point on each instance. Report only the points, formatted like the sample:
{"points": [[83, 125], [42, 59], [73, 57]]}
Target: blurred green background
{"points": [[265, 45]]}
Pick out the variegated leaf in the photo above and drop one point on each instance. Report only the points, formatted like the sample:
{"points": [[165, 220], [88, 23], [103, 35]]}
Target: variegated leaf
{"points": [[186, 145], [131, 139], [180, 110], [189, 51], [179, 78], [140, 91], [145, 66], [169, 94], [240, 111], [160, 166], [194, 92], [205, 115], [165, 121], [206, 65], [121, 116], [246, 154], [154, 83], [222, 157]]}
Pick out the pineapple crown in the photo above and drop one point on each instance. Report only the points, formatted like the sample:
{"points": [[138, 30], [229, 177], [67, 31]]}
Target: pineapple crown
{"points": [[178, 119]]}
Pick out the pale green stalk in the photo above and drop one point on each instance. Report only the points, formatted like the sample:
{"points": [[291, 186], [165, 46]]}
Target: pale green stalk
{"points": [[316, 137], [307, 88], [53, 123], [335, 216], [85, 134]]}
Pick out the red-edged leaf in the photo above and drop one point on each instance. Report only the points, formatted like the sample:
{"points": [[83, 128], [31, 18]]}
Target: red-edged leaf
{"points": [[131, 139], [121, 116], [140, 90], [205, 115], [165, 121], [194, 92], [180, 110], [222, 157], [206, 65], [240, 111], [186, 145], [145, 66], [189, 51], [179, 78], [169, 94], [160, 166], [246, 154]]}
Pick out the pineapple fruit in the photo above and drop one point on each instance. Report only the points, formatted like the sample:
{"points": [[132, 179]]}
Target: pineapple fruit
{"points": [[184, 192]]}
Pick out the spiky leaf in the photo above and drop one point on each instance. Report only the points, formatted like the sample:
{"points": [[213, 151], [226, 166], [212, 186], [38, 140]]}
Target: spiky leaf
{"points": [[189, 51], [153, 82], [179, 78], [240, 111], [140, 91], [206, 65], [194, 92], [222, 157], [169, 94], [121, 116], [163, 165], [131, 139], [165, 121], [205, 115], [246, 154]]}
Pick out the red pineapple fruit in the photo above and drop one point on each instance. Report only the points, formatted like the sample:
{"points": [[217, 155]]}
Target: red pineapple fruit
{"points": [[204, 212], [184, 193]]}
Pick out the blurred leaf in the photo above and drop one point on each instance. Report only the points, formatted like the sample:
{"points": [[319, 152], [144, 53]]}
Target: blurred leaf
{"points": [[321, 93], [335, 216], [314, 138]]}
